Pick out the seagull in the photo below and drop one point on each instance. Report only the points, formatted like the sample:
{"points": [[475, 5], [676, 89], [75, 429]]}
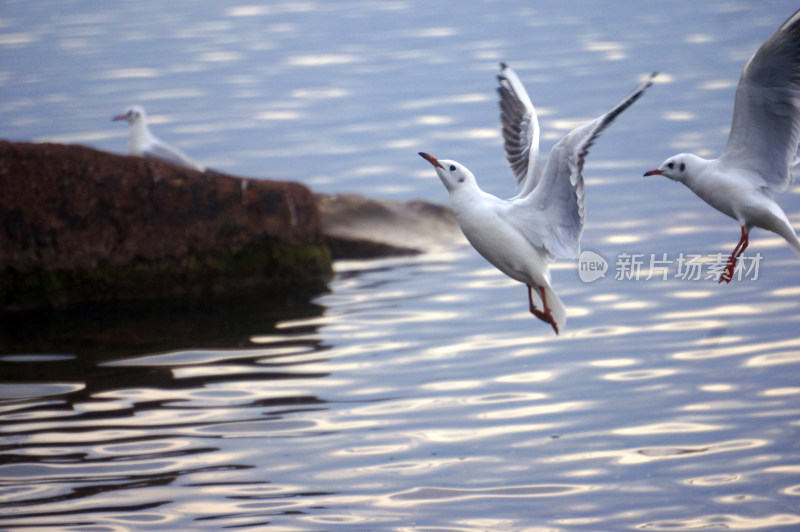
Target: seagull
{"points": [[142, 143], [520, 236], [762, 146]]}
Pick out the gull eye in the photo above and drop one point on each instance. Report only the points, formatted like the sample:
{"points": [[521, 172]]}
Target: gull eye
{"points": [[671, 165], [683, 167], [452, 168]]}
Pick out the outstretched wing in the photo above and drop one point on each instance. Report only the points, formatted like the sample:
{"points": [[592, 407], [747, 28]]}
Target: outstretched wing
{"points": [[559, 200], [520, 130], [765, 131]]}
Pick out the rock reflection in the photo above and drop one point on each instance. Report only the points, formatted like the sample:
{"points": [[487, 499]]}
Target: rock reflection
{"points": [[140, 421]]}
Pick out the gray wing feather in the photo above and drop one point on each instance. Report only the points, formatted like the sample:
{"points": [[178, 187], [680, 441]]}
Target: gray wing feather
{"points": [[765, 131], [520, 130], [555, 212]]}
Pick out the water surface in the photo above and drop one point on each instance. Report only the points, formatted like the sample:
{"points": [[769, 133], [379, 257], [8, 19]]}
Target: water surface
{"points": [[416, 393]]}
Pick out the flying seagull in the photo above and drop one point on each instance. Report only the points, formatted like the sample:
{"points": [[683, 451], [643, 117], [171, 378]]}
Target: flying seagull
{"points": [[544, 220], [762, 146]]}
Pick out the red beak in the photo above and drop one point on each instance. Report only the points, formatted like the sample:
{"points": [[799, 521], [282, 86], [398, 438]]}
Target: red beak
{"points": [[431, 159], [119, 117], [653, 172]]}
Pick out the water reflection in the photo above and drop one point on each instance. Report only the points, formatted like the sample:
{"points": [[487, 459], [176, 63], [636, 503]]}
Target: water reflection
{"points": [[725, 522], [140, 411], [418, 383], [333, 413], [439, 495]]}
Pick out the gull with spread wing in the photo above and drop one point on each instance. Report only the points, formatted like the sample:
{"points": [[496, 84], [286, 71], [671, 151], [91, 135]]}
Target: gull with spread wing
{"points": [[544, 220], [762, 146], [142, 143]]}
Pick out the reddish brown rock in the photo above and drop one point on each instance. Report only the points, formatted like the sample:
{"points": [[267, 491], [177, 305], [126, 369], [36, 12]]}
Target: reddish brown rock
{"points": [[78, 224]]}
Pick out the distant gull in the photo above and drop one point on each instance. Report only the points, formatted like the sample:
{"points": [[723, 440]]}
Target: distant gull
{"points": [[522, 235], [142, 143], [762, 146]]}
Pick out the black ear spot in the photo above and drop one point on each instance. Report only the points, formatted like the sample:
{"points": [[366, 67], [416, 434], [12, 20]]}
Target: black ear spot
{"points": [[683, 167], [452, 168], [460, 179]]}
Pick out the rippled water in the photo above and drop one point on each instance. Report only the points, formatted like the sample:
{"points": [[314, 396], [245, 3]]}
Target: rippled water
{"points": [[415, 393]]}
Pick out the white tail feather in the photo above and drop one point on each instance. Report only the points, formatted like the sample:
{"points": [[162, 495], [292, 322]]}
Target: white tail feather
{"points": [[784, 228], [791, 238]]}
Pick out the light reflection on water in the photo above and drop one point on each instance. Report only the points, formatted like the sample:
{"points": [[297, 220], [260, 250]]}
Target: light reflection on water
{"points": [[361, 409], [417, 393]]}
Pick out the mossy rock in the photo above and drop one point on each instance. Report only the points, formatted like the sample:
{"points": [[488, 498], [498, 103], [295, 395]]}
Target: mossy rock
{"points": [[271, 270]]}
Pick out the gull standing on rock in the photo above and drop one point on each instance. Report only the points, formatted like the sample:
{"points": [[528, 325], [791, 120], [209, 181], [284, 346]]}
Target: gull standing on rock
{"points": [[522, 235], [142, 143], [762, 146]]}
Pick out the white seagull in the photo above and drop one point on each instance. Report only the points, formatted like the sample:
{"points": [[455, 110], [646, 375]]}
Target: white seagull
{"points": [[762, 146], [142, 143], [522, 235]]}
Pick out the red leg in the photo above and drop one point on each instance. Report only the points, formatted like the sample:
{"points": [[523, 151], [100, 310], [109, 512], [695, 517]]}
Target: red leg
{"points": [[531, 306], [544, 300], [535, 311], [727, 275], [545, 316], [741, 245], [550, 319]]}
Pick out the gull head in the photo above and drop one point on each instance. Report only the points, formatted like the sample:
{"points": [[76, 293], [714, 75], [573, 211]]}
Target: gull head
{"points": [[452, 174], [131, 115], [677, 167]]}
